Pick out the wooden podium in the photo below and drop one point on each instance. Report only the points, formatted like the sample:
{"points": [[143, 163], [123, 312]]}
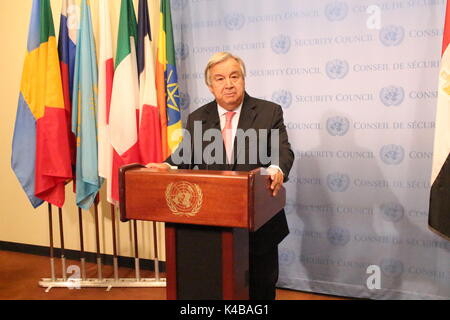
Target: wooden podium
{"points": [[208, 216]]}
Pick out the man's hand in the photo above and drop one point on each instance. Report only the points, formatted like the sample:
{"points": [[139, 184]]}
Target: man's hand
{"points": [[163, 166], [276, 177]]}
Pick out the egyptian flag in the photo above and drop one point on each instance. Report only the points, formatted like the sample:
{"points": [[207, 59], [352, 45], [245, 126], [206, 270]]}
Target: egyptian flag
{"points": [[106, 76], [40, 151], [439, 213], [124, 113], [150, 145], [68, 29], [167, 84]]}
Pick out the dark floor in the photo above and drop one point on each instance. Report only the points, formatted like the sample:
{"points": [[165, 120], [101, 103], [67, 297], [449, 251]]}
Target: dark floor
{"points": [[20, 274]]}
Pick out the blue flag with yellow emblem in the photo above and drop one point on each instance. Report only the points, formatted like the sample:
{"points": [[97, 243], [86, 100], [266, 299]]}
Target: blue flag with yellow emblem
{"points": [[84, 123]]}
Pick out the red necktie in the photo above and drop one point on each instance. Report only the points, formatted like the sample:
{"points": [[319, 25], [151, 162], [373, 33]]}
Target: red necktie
{"points": [[227, 134]]}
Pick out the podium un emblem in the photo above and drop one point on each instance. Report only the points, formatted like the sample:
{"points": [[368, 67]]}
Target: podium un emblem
{"points": [[184, 198]]}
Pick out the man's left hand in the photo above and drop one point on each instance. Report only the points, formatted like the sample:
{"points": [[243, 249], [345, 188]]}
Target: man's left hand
{"points": [[276, 178]]}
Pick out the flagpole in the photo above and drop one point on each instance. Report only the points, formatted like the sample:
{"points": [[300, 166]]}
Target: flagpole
{"points": [[136, 252], [155, 248], [82, 254], [61, 235], [52, 252], [97, 240], [115, 260]]}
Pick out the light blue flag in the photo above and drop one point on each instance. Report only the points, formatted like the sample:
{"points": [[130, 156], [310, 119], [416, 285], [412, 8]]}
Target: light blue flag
{"points": [[84, 123]]}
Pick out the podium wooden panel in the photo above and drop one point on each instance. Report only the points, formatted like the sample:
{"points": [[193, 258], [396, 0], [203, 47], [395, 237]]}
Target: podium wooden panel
{"points": [[208, 216]]}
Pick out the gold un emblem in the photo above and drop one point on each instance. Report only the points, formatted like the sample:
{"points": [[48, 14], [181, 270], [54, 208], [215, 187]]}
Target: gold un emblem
{"points": [[184, 198]]}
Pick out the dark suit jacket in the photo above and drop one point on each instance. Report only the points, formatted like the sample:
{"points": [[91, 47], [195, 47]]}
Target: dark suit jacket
{"points": [[255, 114]]}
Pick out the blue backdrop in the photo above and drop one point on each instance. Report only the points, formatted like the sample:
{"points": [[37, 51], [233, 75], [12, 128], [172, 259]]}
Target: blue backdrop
{"points": [[358, 84]]}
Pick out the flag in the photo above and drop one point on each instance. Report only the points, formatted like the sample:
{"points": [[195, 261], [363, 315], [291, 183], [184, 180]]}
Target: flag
{"points": [[124, 113], [150, 145], [40, 152], [67, 48], [106, 76], [167, 84], [84, 124], [439, 213]]}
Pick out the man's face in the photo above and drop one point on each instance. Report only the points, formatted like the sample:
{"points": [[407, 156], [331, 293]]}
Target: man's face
{"points": [[227, 84]]}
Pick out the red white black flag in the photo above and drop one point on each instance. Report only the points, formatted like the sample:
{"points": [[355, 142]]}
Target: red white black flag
{"points": [[439, 213]]}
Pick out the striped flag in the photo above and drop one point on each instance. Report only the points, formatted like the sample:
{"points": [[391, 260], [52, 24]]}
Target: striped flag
{"points": [[124, 113], [67, 49], [84, 124], [150, 145], [439, 213], [40, 151], [167, 84], [106, 76]]}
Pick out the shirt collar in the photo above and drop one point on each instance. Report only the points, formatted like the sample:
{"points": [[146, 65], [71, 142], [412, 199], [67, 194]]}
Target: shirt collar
{"points": [[222, 111]]}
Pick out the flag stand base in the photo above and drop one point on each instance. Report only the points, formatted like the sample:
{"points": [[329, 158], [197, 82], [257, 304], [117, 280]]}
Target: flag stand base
{"points": [[104, 283]]}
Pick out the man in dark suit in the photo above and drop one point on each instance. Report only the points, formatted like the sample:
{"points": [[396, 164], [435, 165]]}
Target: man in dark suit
{"points": [[232, 111]]}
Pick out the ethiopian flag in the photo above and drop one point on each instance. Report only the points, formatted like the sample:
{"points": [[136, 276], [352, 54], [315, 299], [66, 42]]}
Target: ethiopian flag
{"points": [[167, 84], [439, 213], [40, 151]]}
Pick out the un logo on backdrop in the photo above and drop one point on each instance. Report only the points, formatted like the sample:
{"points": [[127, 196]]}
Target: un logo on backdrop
{"points": [[178, 4], [185, 100], [234, 21], [392, 35], [337, 69], [281, 44], [336, 11], [392, 154], [391, 267], [283, 98], [338, 236], [338, 182], [286, 257], [181, 51], [392, 212], [392, 96], [338, 126], [290, 207]]}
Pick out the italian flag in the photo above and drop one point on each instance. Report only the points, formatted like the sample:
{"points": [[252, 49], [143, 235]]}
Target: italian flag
{"points": [[124, 113]]}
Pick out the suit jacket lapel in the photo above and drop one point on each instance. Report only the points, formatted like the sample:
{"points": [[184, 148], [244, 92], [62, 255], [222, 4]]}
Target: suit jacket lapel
{"points": [[212, 121], [246, 120]]}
